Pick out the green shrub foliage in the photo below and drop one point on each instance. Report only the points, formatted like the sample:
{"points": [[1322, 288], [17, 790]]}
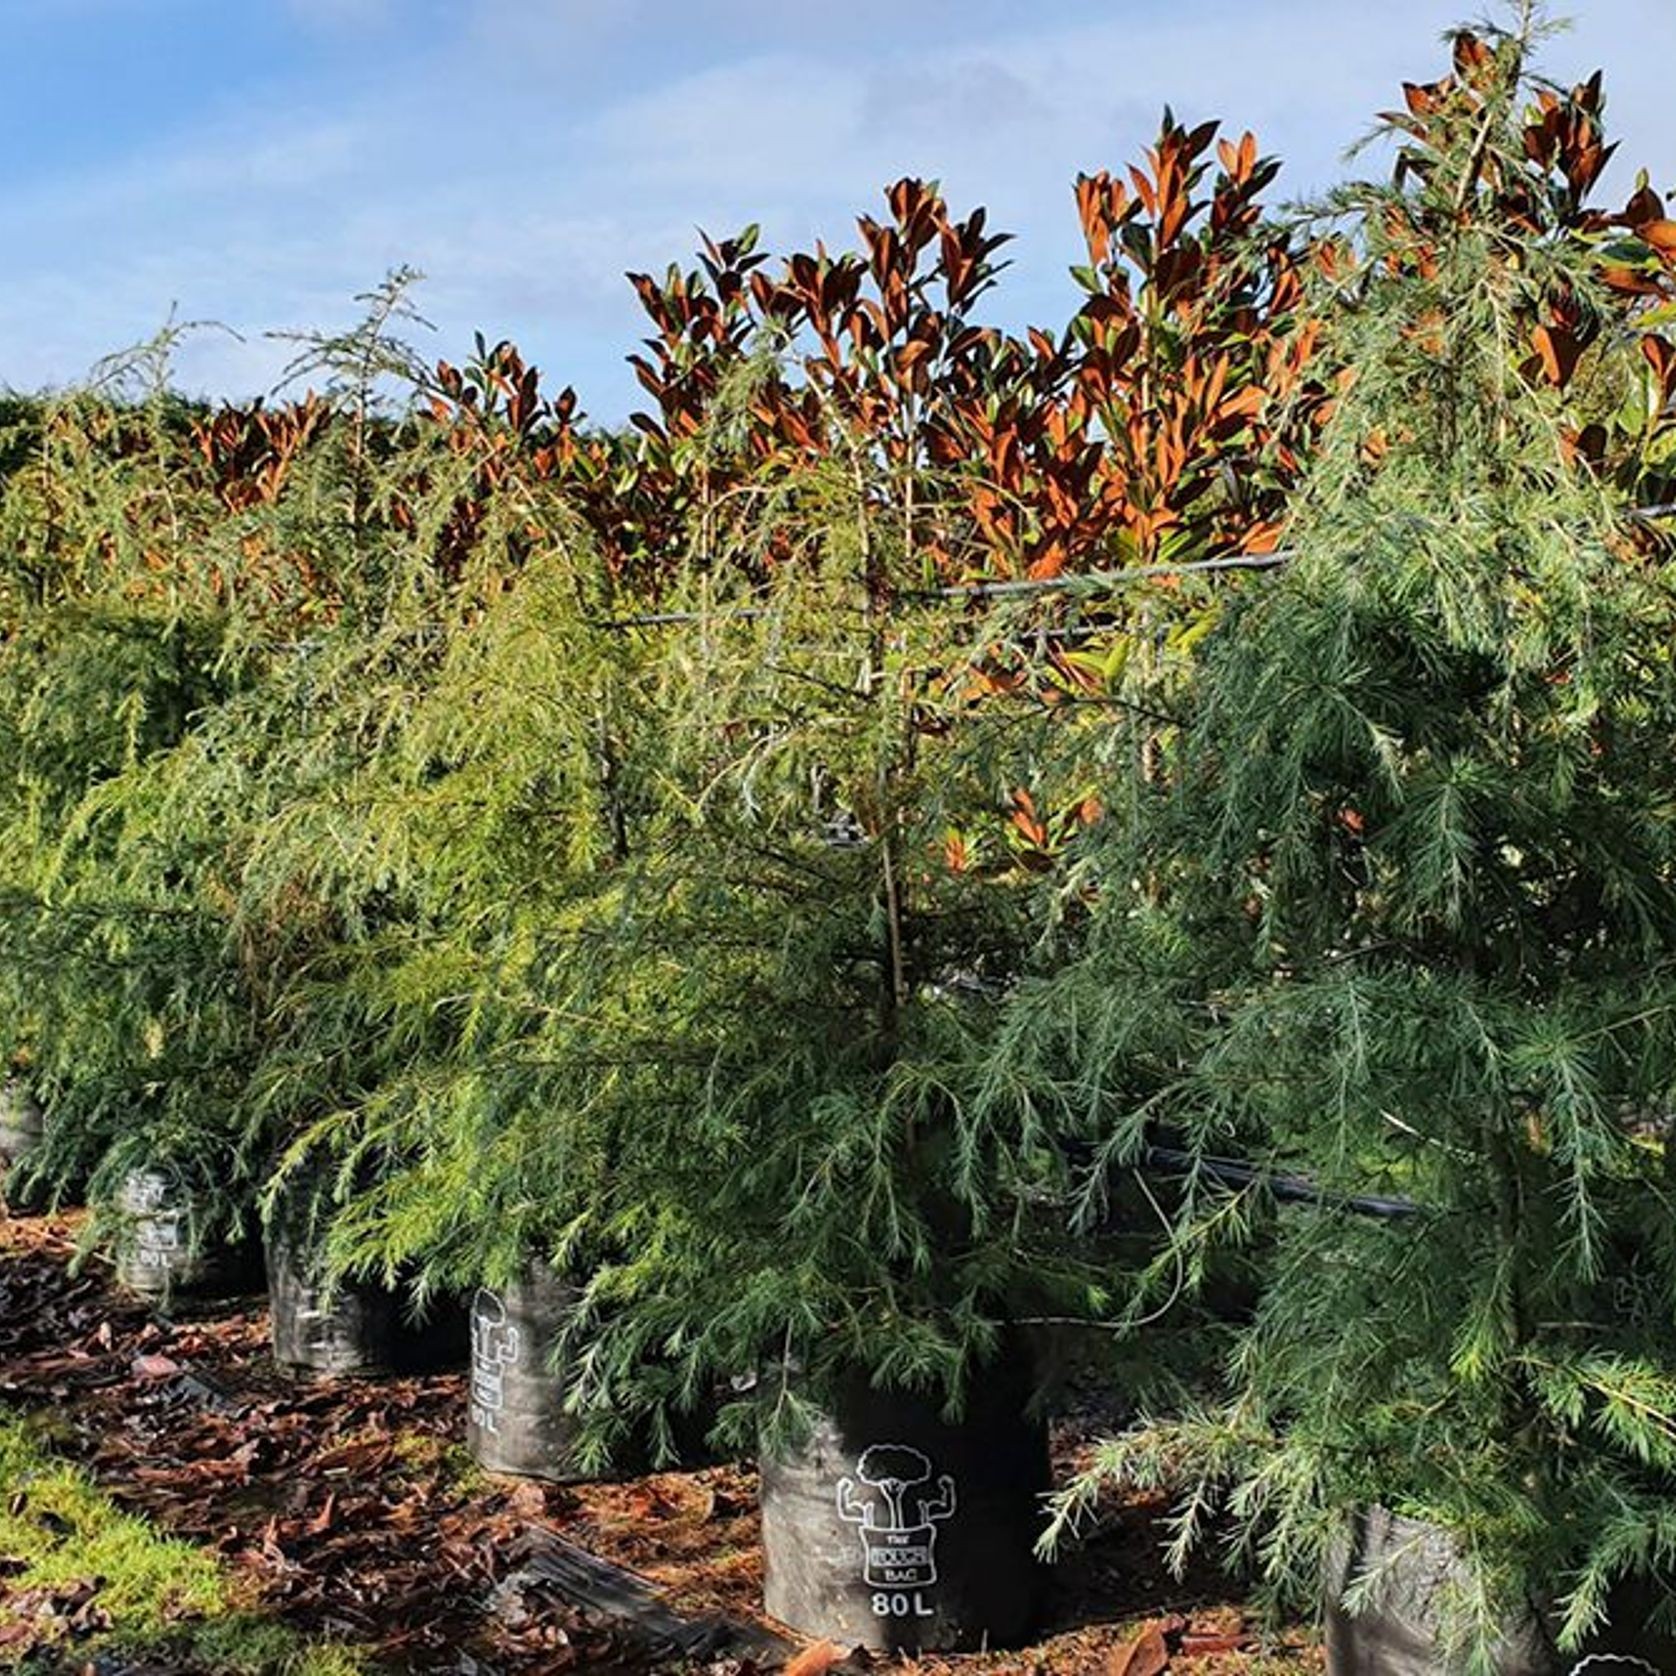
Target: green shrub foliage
{"points": [[1397, 916], [807, 862]]}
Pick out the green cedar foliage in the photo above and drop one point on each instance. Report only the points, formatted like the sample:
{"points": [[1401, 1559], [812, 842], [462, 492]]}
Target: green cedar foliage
{"points": [[210, 614], [112, 981], [790, 1000], [1397, 914], [683, 995]]}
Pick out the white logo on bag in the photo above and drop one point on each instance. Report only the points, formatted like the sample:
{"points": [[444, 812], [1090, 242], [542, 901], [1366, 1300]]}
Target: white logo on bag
{"points": [[158, 1241], [147, 1193], [899, 1548], [158, 1237], [1603, 1664], [495, 1346]]}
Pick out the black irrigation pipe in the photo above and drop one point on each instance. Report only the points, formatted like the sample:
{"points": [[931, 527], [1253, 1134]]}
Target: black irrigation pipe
{"points": [[1295, 1189]]}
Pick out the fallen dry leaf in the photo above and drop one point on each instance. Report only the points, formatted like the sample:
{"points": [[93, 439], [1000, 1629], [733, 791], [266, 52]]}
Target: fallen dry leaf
{"points": [[154, 1367], [1217, 1641], [816, 1660], [527, 1500], [1146, 1655]]}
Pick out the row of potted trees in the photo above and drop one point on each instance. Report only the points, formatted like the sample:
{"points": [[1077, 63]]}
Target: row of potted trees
{"points": [[789, 969]]}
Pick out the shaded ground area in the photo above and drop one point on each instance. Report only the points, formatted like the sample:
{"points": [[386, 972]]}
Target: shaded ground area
{"points": [[349, 1512]]}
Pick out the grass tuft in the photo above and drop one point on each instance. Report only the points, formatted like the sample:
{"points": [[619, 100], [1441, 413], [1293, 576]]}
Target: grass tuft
{"points": [[76, 1569]]}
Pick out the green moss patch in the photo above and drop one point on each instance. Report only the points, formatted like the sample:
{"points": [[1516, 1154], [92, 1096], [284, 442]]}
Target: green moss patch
{"points": [[78, 1574]]}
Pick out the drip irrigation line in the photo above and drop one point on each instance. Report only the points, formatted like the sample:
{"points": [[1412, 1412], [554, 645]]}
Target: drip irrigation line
{"points": [[1293, 1188], [663, 619], [1092, 580]]}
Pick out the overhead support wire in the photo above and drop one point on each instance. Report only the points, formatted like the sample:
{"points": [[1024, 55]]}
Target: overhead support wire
{"points": [[1091, 580], [1102, 578]]}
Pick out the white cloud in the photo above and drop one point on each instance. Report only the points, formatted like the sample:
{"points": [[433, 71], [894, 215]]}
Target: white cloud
{"points": [[530, 156]]}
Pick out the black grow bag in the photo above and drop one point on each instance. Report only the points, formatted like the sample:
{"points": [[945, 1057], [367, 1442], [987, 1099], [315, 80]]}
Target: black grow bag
{"points": [[156, 1252], [1403, 1630], [891, 1529], [21, 1122], [353, 1327], [350, 1329], [515, 1420], [22, 1128]]}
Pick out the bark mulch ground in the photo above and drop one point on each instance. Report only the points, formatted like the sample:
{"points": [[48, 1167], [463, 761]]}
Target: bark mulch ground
{"points": [[350, 1509]]}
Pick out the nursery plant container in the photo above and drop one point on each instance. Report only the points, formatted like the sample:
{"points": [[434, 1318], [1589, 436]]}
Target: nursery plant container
{"points": [[353, 1328], [348, 1329], [154, 1249], [515, 1420], [891, 1529], [1403, 1631], [21, 1122]]}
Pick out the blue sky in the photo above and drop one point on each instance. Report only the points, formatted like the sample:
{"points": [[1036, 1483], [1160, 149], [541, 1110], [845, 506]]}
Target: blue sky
{"points": [[258, 162]]}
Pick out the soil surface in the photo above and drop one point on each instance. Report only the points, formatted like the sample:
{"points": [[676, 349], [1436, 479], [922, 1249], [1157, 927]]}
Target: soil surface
{"points": [[350, 1509]]}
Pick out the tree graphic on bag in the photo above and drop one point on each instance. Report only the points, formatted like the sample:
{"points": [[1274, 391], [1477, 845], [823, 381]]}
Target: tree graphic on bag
{"points": [[897, 1553]]}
